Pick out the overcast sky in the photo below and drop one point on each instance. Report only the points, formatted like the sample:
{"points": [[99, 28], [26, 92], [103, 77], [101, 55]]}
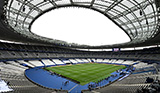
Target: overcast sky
{"points": [[79, 25]]}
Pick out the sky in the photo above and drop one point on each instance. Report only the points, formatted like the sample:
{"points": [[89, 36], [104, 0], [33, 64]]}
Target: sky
{"points": [[79, 25]]}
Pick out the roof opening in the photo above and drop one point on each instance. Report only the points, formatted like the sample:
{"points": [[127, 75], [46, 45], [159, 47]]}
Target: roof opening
{"points": [[79, 25]]}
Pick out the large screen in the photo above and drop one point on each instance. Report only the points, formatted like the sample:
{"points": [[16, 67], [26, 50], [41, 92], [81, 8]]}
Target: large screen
{"points": [[116, 49]]}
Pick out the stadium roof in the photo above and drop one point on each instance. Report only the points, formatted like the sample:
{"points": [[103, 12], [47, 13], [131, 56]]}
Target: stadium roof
{"points": [[139, 19]]}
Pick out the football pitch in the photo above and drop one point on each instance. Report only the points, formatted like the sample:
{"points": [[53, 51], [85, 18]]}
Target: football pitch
{"points": [[85, 73]]}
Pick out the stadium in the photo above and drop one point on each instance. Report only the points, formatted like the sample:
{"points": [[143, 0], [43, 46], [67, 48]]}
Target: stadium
{"points": [[30, 63]]}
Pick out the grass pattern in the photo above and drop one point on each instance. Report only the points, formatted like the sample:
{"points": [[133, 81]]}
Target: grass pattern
{"points": [[85, 73]]}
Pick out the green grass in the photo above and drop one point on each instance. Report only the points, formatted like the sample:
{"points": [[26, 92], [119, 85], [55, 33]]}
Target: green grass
{"points": [[85, 73]]}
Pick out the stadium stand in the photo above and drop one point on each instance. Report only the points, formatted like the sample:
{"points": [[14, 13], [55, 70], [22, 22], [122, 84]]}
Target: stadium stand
{"points": [[131, 84], [36, 63], [99, 60], [12, 65], [20, 84], [66, 61], [48, 62], [79, 60], [24, 62], [57, 61], [73, 61], [85, 60]]}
